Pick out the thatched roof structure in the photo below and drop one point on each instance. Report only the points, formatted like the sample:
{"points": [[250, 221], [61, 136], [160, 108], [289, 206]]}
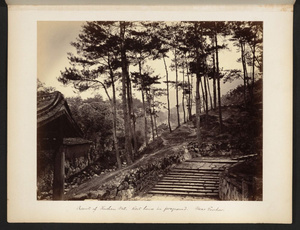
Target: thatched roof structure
{"points": [[54, 118]]}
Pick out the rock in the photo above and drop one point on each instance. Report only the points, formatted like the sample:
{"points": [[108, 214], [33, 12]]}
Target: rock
{"points": [[102, 194], [93, 195], [121, 187], [111, 194], [81, 196], [126, 185], [130, 193]]}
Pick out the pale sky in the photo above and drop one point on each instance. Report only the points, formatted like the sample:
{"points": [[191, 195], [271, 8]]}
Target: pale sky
{"points": [[54, 40]]}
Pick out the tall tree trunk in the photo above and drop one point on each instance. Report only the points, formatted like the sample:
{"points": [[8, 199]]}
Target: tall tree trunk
{"points": [[189, 109], [203, 96], [198, 110], [253, 68], [189, 99], [176, 87], [244, 72], [155, 124], [145, 118], [183, 108], [247, 78], [128, 148], [154, 117], [129, 105], [168, 98], [206, 94], [214, 82], [211, 103], [144, 107], [190, 91], [203, 63], [151, 117], [135, 146], [200, 102], [114, 105], [218, 82], [192, 94]]}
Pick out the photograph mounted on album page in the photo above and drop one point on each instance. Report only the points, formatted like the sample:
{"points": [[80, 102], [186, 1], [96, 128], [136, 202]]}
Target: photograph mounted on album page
{"points": [[150, 114]]}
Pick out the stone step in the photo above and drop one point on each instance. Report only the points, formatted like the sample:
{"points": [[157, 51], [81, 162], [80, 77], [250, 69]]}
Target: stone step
{"points": [[203, 166], [244, 157], [188, 183], [195, 177], [185, 193], [213, 161], [194, 174], [157, 186], [185, 190], [191, 176], [191, 165], [188, 170], [185, 180]]}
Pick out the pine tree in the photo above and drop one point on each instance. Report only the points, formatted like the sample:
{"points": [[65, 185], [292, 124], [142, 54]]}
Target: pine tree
{"points": [[96, 64]]}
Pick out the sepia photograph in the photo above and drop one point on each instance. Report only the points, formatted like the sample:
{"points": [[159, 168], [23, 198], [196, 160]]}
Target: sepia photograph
{"points": [[150, 114], [150, 110]]}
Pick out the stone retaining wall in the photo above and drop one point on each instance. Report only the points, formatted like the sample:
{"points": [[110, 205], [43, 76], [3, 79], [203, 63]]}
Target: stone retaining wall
{"points": [[75, 165], [242, 181], [137, 180], [231, 188]]}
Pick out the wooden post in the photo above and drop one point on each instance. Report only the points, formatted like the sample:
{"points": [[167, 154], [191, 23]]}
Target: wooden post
{"points": [[245, 189], [59, 174]]}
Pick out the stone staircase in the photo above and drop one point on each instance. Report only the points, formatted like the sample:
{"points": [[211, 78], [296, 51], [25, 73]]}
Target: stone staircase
{"points": [[195, 177]]}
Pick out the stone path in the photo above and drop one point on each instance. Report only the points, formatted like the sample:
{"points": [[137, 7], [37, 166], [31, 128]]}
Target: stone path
{"points": [[198, 177]]}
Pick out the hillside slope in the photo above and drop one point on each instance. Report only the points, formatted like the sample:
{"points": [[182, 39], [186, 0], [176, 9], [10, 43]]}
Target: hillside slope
{"points": [[241, 135]]}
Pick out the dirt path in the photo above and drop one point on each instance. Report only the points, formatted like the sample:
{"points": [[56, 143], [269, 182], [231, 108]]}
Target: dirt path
{"points": [[194, 179], [171, 143]]}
